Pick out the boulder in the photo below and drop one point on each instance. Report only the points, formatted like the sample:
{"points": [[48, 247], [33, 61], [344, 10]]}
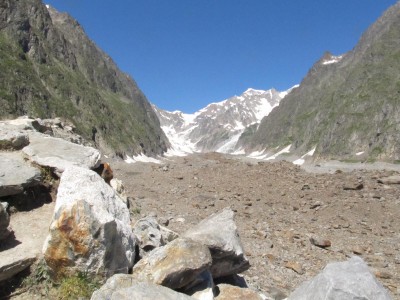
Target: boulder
{"points": [[4, 222], [138, 290], [394, 179], [90, 231], [175, 265], [11, 138], [348, 280], [219, 233], [151, 235], [202, 288], [59, 154], [230, 292], [16, 174]]}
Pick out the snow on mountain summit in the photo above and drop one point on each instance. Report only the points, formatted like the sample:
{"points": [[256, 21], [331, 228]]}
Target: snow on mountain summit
{"points": [[218, 126]]}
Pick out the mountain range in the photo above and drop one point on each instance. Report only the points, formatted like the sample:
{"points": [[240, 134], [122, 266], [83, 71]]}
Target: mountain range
{"points": [[346, 107], [218, 126]]}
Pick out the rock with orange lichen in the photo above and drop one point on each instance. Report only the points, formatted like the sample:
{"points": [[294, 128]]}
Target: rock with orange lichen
{"points": [[175, 265], [90, 231]]}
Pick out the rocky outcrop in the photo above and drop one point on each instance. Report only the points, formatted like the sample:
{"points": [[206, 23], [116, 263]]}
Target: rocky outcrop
{"points": [[15, 174], [174, 265], [219, 233], [139, 290], [344, 280], [90, 231], [50, 68], [59, 154]]}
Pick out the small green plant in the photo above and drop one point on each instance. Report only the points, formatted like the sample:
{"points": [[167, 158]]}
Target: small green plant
{"points": [[136, 211], [78, 286], [39, 278]]}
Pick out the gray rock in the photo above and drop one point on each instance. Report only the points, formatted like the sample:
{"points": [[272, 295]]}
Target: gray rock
{"points": [[151, 235], [60, 154], [139, 290], [349, 280], [175, 265], [219, 233], [202, 288], [90, 230], [11, 138], [4, 222], [16, 174], [10, 269]]}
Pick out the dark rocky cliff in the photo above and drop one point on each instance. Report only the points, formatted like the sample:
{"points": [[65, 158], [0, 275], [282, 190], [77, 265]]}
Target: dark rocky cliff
{"points": [[345, 105], [49, 67]]}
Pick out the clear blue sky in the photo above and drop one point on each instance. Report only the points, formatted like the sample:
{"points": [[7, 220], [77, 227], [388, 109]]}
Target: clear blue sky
{"points": [[185, 54]]}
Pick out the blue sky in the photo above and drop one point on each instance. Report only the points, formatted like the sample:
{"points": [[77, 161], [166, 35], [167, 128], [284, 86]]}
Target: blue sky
{"points": [[185, 54]]}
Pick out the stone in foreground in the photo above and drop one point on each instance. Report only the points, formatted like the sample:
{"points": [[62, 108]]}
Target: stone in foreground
{"points": [[4, 222], [16, 174], [349, 280], [151, 235], [139, 290], [90, 231], [175, 265], [219, 233], [11, 138], [59, 154], [230, 292]]}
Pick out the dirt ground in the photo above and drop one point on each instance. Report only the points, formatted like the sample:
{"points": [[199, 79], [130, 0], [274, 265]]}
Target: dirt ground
{"points": [[279, 208]]}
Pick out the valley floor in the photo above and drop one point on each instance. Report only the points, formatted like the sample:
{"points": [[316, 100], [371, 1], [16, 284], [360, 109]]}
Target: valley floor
{"points": [[279, 207]]}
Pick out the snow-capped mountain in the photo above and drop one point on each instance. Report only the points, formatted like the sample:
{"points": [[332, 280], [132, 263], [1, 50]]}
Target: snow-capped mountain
{"points": [[218, 126]]}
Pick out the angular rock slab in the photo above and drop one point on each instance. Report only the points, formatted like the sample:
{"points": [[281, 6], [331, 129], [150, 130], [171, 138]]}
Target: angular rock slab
{"points": [[230, 292], [59, 154], [219, 233], [11, 138], [140, 290], [16, 174], [175, 265], [90, 231], [349, 280]]}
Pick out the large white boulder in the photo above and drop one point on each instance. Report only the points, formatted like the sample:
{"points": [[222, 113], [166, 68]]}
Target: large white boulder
{"points": [[59, 154], [349, 280], [90, 231]]}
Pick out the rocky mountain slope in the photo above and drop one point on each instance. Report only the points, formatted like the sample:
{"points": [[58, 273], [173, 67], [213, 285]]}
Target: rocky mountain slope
{"points": [[218, 126], [347, 106], [49, 67]]}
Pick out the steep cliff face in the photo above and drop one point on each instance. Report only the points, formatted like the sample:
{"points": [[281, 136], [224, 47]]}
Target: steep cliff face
{"points": [[49, 67], [346, 105]]}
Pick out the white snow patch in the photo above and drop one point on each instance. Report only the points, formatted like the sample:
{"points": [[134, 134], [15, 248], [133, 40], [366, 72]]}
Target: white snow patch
{"points": [[47, 6], [141, 158], [301, 160], [284, 150], [230, 144], [360, 153], [333, 60]]}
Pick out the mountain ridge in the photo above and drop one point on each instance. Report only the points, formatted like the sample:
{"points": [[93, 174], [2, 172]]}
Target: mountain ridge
{"points": [[343, 108], [219, 125], [51, 68]]}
